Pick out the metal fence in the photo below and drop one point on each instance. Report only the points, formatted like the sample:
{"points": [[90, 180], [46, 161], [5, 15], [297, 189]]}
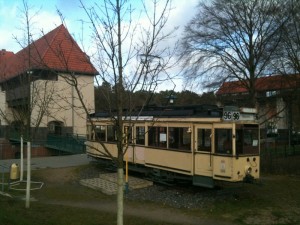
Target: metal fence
{"points": [[280, 159]]}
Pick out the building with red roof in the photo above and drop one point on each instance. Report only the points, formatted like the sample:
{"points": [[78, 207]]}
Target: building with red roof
{"points": [[277, 97], [38, 81]]}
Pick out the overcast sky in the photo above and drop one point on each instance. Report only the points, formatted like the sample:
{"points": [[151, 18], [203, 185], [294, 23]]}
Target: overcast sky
{"points": [[47, 18]]}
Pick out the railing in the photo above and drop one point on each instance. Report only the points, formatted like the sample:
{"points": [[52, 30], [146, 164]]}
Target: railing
{"points": [[69, 143], [73, 144], [16, 136], [280, 151]]}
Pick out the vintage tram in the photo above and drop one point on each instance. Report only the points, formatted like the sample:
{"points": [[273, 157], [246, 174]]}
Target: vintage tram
{"points": [[204, 144]]}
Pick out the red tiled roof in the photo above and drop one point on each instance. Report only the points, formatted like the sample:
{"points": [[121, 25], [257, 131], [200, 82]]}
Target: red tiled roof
{"points": [[56, 50], [275, 82]]}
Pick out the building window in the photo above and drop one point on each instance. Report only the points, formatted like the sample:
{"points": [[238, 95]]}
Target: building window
{"points": [[271, 93], [55, 127], [272, 130], [179, 138]]}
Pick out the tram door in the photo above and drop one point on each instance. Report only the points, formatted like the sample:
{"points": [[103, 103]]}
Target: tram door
{"points": [[203, 150]]}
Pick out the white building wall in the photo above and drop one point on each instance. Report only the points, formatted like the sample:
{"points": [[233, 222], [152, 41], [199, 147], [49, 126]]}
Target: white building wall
{"points": [[2, 108], [65, 105], [282, 121], [6, 114]]}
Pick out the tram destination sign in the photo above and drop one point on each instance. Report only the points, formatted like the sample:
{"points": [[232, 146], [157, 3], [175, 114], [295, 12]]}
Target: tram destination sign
{"points": [[231, 115]]}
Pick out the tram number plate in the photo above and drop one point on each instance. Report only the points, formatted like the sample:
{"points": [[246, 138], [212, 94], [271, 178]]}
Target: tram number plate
{"points": [[231, 115]]}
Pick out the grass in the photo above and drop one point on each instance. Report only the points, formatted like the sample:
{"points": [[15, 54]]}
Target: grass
{"points": [[13, 212], [275, 200]]}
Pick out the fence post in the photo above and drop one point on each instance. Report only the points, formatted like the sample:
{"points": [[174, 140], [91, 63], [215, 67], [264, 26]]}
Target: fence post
{"points": [[285, 154]]}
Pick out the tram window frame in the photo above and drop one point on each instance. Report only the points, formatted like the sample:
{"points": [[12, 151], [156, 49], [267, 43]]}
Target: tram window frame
{"points": [[223, 141], [251, 145], [111, 133], [128, 134], [140, 132], [204, 139], [100, 133], [90, 133], [157, 137], [179, 138]]}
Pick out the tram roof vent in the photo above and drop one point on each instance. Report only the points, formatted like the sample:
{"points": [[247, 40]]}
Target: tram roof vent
{"points": [[231, 108], [248, 110]]}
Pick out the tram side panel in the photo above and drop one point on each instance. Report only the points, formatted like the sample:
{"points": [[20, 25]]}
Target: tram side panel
{"points": [[138, 154], [203, 164], [96, 150], [175, 161]]}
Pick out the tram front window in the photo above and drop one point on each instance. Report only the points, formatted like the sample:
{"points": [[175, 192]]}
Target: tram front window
{"points": [[247, 139], [223, 141]]}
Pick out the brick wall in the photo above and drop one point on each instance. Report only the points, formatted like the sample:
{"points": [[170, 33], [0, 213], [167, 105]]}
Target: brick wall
{"points": [[12, 151]]}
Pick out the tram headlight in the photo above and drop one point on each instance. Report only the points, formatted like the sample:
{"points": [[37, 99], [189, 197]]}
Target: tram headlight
{"points": [[248, 170]]}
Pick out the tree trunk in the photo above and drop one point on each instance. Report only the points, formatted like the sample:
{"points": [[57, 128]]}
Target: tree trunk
{"points": [[120, 196]]}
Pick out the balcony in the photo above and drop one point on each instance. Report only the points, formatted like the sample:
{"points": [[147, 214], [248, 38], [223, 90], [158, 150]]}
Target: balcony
{"points": [[17, 96]]}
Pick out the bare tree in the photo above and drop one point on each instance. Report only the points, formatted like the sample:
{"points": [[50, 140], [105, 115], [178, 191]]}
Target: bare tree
{"points": [[131, 55], [287, 63], [289, 54], [232, 40], [27, 97]]}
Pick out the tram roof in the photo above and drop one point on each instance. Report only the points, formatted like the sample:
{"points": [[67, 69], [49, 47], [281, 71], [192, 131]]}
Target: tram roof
{"points": [[205, 111]]}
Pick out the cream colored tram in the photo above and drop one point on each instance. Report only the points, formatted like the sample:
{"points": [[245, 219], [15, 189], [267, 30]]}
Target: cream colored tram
{"points": [[203, 144]]}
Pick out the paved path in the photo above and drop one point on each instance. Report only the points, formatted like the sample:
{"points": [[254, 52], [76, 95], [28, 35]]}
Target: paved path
{"points": [[48, 162], [158, 214]]}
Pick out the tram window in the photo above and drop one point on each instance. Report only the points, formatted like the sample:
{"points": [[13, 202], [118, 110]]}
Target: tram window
{"points": [[247, 139], [100, 132], [111, 133], [179, 138], [140, 135], [128, 133], [204, 140], [157, 137], [223, 141]]}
